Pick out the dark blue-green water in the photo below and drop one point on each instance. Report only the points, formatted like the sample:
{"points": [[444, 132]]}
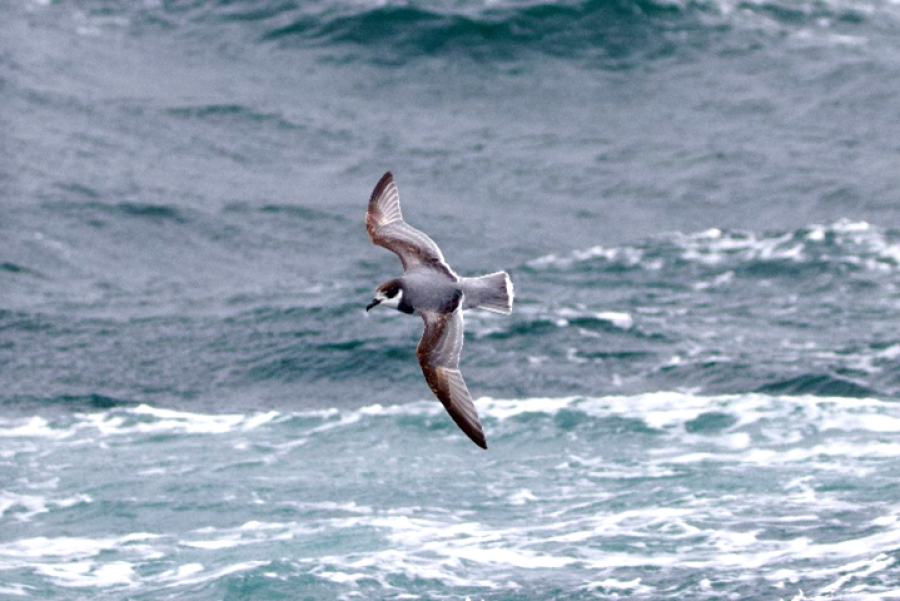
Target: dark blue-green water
{"points": [[696, 396]]}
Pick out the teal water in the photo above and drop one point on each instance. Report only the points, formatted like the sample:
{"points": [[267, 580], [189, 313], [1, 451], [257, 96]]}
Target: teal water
{"points": [[656, 496], [694, 398]]}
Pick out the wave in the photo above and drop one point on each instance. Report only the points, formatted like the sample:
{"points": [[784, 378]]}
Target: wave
{"points": [[410, 31], [611, 28], [842, 248], [612, 31], [13, 268], [232, 113], [160, 213], [605, 495], [819, 384], [82, 563], [690, 311], [675, 413], [801, 311]]}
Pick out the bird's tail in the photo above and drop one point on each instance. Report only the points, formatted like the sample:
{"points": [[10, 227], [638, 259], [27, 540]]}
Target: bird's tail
{"points": [[493, 292]]}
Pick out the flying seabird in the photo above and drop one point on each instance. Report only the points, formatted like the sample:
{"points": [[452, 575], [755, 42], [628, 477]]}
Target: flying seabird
{"points": [[429, 288]]}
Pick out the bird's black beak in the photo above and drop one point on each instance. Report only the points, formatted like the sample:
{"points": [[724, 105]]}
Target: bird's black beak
{"points": [[372, 304]]}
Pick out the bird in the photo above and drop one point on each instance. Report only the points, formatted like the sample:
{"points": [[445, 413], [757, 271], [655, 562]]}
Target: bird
{"points": [[431, 289]]}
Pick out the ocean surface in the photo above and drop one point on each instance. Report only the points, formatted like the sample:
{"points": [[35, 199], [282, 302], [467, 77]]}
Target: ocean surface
{"points": [[697, 395]]}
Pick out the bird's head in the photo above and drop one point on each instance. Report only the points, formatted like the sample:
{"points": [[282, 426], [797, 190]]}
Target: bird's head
{"points": [[388, 294]]}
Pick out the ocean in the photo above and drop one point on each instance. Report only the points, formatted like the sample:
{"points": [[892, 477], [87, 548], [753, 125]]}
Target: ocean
{"points": [[695, 397]]}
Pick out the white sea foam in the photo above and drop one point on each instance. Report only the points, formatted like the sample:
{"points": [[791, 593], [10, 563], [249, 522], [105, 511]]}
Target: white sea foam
{"points": [[613, 587], [249, 533], [72, 547], [856, 570], [714, 247], [628, 256], [213, 544], [522, 497], [856, 243], [23, 507], [601, 467], [180, 573], [574, 512], [672, 410], [33, 427], [707, 534], [89, 574], [82, 562], [197, 423], [618, 319], [192, 574], [17, 590], [143, 419], [75, 561], [331, 506], [414, 542], [663, 411], [780, 419]]}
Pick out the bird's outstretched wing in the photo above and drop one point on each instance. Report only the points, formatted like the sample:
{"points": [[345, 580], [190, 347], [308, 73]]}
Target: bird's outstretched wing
{"points": [[438, 353], [387, 228]]}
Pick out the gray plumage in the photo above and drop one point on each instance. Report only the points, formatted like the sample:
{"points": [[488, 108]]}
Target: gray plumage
{"points": [[431, 289]]}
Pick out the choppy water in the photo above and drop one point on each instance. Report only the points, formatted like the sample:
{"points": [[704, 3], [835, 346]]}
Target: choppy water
{"points": [[695, 397], [664, 495]]}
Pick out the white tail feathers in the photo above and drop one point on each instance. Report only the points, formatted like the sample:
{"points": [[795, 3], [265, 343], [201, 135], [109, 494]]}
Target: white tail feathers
{"points": [[493, 292]]}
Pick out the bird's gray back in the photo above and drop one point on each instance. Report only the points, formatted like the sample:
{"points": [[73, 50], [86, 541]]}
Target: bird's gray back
{"points": [[430, 290]]}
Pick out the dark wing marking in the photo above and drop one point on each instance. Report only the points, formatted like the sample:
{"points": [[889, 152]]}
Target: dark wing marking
{"points": [[438, 353], [387, 228]]}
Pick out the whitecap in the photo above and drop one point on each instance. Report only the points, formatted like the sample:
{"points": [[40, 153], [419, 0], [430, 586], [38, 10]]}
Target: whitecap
{"points": [[627, 256], [522, 497], [250, 533], [33, 427], [72, 547], [193, 574], [858, 570], [630, 587], [84, 574], [18, 590], [181, 572], [22, 507]]}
